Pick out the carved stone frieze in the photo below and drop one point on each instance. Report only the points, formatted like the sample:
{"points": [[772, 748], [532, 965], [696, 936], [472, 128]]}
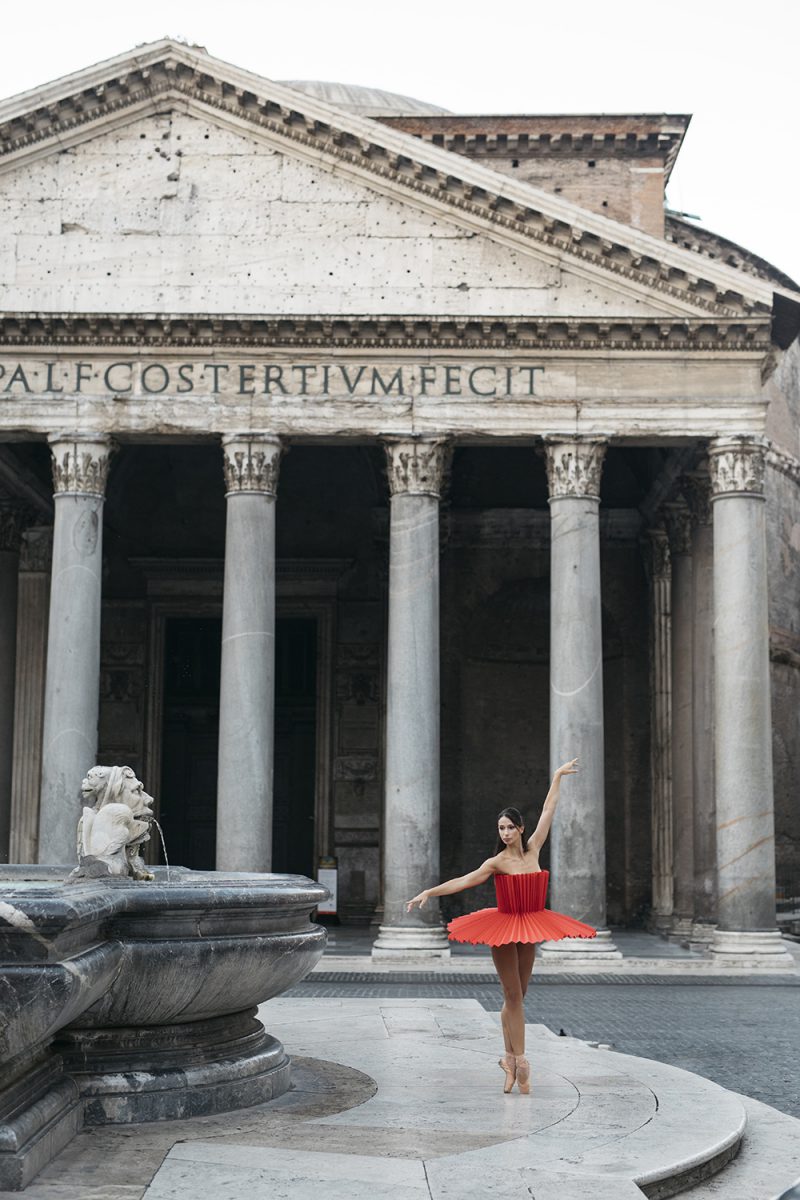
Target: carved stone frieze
{"points": [[737, 465], [417, 466], [251, 462], [696, 488], [678, 522], [80, 463], [574, 468], [36, 552]]}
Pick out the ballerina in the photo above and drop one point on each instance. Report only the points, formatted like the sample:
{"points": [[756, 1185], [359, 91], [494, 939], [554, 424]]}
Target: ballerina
{"points": [[519, 921]]}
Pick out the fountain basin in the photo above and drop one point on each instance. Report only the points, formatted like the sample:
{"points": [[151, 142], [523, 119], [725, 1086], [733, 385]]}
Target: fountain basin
{"points": [[135, 1001]]}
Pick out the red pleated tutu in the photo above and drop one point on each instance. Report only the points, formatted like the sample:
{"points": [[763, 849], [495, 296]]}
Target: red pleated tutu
{"points": [[520, 915]]}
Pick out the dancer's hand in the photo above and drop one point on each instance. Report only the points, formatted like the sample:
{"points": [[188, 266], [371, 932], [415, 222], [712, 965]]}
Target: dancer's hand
{"points": [[568, 768], [421, 900]]}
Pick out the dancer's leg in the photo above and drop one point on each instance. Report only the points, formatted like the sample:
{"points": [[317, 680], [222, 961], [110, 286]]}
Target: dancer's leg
{"points": [[512, 1016], [526, 953]]}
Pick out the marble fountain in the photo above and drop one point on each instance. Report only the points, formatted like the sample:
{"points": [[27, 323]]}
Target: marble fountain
{"points": [[129, 993]]}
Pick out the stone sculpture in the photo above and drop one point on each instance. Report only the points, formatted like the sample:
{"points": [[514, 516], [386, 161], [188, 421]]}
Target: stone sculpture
{"points": [[112, 831]]}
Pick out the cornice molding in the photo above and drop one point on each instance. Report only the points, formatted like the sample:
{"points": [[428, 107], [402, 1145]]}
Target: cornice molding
{"points": [[154, 75], [783, 462], [565, 135], [149, 330]]}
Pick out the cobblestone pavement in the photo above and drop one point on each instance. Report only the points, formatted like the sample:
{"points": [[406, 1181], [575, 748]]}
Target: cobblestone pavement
{"points": [[744, 1033]]}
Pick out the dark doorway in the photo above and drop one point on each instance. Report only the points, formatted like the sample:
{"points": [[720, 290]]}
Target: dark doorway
{"points": [[191, 729], [188, 801], [295, 745]]}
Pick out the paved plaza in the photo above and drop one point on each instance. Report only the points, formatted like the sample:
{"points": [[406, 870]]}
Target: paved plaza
{"points": [[664, 1002], [402, 1098], [740, 1033], [670, 1078]]}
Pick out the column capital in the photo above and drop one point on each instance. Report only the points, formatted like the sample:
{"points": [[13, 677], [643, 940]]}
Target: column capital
{"points": [[737, 466], [696, 488], [678, 522], [251, 463], [659, 563], [80, 463], [36, 553], [416, 466], [574, 466], [14, 515]]}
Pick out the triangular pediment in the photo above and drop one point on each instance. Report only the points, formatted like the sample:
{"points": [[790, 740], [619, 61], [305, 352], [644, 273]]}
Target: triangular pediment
{"points": [[304, 193]]}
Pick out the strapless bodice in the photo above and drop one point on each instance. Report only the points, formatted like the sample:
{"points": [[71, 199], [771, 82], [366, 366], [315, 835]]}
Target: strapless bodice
{"points": [[526, 892]]}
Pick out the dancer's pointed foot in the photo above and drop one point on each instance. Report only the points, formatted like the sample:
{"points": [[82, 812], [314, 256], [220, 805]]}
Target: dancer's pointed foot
{"points": [[509, 1064], [523, 1074]]}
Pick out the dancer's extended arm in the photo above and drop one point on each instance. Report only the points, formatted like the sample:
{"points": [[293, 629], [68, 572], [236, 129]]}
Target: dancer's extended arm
{"points": [[484, 872], [539, 835]]}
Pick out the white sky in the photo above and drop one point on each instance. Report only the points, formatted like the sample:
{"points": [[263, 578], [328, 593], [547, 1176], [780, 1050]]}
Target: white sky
{"points": [[733, 64]]}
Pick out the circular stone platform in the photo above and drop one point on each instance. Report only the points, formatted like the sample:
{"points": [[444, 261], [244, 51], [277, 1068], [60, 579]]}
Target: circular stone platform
{"points": [[597, 1123], [404, 1098]]}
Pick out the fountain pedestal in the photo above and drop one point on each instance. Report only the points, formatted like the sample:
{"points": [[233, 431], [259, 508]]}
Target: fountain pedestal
{"points": [[135, 1001]]}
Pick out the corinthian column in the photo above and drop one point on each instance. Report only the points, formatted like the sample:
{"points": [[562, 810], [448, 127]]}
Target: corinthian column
{"points": [[69, 741], [411, 813], [578, 853], [11, 517], [678, 522], [33, 593], [696, 487], [247, 685], [659, 570], [747, 929]]}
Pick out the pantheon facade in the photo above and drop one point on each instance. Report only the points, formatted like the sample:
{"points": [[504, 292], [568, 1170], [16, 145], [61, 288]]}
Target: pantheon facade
{"points": [[361, 462]]}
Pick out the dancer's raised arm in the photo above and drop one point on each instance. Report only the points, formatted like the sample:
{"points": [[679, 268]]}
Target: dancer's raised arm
{"points": [[484, 872], [539, 835]]}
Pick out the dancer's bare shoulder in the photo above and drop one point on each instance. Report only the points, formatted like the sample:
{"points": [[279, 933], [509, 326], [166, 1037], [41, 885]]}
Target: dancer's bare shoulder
{"points": [[515, 864]]}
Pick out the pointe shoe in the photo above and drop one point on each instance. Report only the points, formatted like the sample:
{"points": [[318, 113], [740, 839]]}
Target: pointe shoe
{"points": [[523, 1074], [509, 1064]]}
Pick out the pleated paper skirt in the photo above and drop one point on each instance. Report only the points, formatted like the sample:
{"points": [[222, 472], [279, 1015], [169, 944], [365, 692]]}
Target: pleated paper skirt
{"points": [[520, 916]]}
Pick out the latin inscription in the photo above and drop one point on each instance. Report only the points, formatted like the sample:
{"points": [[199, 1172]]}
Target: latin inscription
{"points": [[123, 378]]}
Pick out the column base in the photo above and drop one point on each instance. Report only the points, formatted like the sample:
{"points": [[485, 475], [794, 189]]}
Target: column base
{"points": [[660, 924], [758, 951], [702, 935], [411, 941], [681, 930], [576, 950]]}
